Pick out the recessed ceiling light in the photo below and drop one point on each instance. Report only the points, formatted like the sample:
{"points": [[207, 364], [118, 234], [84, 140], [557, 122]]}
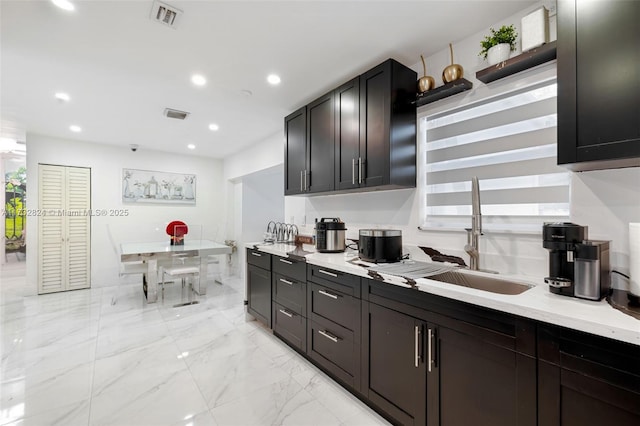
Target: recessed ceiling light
{"points": [[213, 127], [74, 128], [191, 146], [64, 4], [198, 80], [63, 97], [273, 79]]}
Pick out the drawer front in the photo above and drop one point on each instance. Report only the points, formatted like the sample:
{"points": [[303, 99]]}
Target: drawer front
{"points": [[258, 258], [333, 348], [333, 305], [291, 268], [290, 293], [345, 283], [290, 326]]}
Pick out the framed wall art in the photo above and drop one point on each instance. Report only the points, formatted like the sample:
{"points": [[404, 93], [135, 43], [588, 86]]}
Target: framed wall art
{"points": [[146, 186]]}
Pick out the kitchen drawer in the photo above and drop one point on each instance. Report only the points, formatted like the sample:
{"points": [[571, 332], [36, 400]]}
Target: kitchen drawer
{"points": [[258, 258], [333, 348], [290, 293], [333, 305], [344, 283], [290, 326], [291, 268]]}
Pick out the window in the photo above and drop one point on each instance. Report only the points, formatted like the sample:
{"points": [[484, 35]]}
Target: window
{"points": [[509, 143]]}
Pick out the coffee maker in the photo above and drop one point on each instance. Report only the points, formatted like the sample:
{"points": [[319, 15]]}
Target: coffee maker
{"points": [[578, 267]]}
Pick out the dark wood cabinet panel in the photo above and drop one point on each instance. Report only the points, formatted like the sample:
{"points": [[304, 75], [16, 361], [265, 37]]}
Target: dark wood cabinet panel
{"points": [[290, 326], [289, 267], [259, 259], [347, 139], [320, 144], [394, 368], [259, 293], [598, 84], [334, 306], [586, 380], [474, 382], [388, 125], [290, 293], [295, 151]]}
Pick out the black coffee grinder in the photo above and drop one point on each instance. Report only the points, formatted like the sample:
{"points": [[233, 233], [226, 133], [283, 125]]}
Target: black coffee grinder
{"points": [[577, 267]]}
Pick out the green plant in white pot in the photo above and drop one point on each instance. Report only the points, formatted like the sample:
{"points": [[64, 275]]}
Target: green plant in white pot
{"points": [[498, 46]]}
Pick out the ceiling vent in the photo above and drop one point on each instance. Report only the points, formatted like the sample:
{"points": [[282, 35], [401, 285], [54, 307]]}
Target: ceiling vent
{"points": [[174, 113], [165, 14]]}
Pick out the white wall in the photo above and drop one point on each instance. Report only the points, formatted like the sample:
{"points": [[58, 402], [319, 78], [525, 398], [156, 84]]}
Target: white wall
{"points": [[106, 163], [605, 200]]}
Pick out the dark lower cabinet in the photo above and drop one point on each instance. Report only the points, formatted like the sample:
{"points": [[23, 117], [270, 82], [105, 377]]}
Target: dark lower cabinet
{"points": [[585, 380], [259, 293], [475, 382], [394, 368]]}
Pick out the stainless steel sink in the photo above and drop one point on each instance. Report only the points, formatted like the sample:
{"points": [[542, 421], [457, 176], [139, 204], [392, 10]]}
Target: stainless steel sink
{"points": [[482, 282]]}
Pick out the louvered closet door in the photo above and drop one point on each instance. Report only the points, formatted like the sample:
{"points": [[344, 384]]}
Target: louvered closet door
{"points": [[51, 259], [64, 246], [78, 247]]}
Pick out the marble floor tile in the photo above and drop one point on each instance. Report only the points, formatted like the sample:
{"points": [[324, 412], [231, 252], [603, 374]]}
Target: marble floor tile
{"points": [[34, 394], [104, 356], [281, 403], [75, 414]]}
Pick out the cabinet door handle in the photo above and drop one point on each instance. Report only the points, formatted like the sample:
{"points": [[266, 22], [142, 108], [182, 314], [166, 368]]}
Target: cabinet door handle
{"points": [[360, 169], [286, 281], [331, 274], [353, 171], [301, 188], [256, 254], [282, 311], [286, 261], [334, 339], [324, 293], [417, 345], [429, 350]]}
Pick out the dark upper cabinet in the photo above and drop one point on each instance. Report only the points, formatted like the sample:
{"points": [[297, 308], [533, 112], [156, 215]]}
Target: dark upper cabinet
{"points": [[586, 380], [388, 126], [359, 136], [320, 145], [295, 151], [598, 84], [347, 130]]}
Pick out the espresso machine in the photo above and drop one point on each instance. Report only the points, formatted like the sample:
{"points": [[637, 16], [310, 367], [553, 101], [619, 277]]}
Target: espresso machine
{"points": [[578, 267]]}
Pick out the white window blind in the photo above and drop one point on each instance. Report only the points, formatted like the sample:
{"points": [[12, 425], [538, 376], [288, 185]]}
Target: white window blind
{"points": [[509, 143]]}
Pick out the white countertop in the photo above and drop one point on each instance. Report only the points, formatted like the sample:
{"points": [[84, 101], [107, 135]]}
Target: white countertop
{"points": [[538, 303]]}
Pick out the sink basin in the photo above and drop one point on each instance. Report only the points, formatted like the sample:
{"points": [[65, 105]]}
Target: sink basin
{"points": [[482, 282]]}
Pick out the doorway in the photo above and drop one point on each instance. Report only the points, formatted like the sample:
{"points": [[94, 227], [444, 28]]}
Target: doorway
{"points": [[14, 223]]}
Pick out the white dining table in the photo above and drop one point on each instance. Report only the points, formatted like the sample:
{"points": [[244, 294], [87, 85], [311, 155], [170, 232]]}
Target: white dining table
{"points": [[152, 252]]}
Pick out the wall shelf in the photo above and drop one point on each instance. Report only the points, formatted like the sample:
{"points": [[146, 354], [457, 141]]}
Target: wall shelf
{"points": [[526, 60], [449, 89]]}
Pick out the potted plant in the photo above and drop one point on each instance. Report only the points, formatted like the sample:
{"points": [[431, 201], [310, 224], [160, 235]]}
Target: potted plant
{"points": [[498, 46]]}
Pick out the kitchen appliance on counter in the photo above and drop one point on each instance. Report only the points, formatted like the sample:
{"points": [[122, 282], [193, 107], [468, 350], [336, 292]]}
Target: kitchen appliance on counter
{"points": [[330, 235], [380, 245], [578, 267]]}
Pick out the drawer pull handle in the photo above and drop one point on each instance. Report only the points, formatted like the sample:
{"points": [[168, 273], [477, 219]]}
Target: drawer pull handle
{"points": [[286, 261], [256, 254], [324, 293], [331, 274], [334, 339], [429, 350], [282, 311], [286, 281], [417, 346]]}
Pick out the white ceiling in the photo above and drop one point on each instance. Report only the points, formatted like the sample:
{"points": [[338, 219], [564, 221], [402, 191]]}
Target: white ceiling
{"points": [[122, 70]]}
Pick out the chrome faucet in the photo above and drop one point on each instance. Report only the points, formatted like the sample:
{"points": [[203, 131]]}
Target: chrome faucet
{"points": [[473, 233]]}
